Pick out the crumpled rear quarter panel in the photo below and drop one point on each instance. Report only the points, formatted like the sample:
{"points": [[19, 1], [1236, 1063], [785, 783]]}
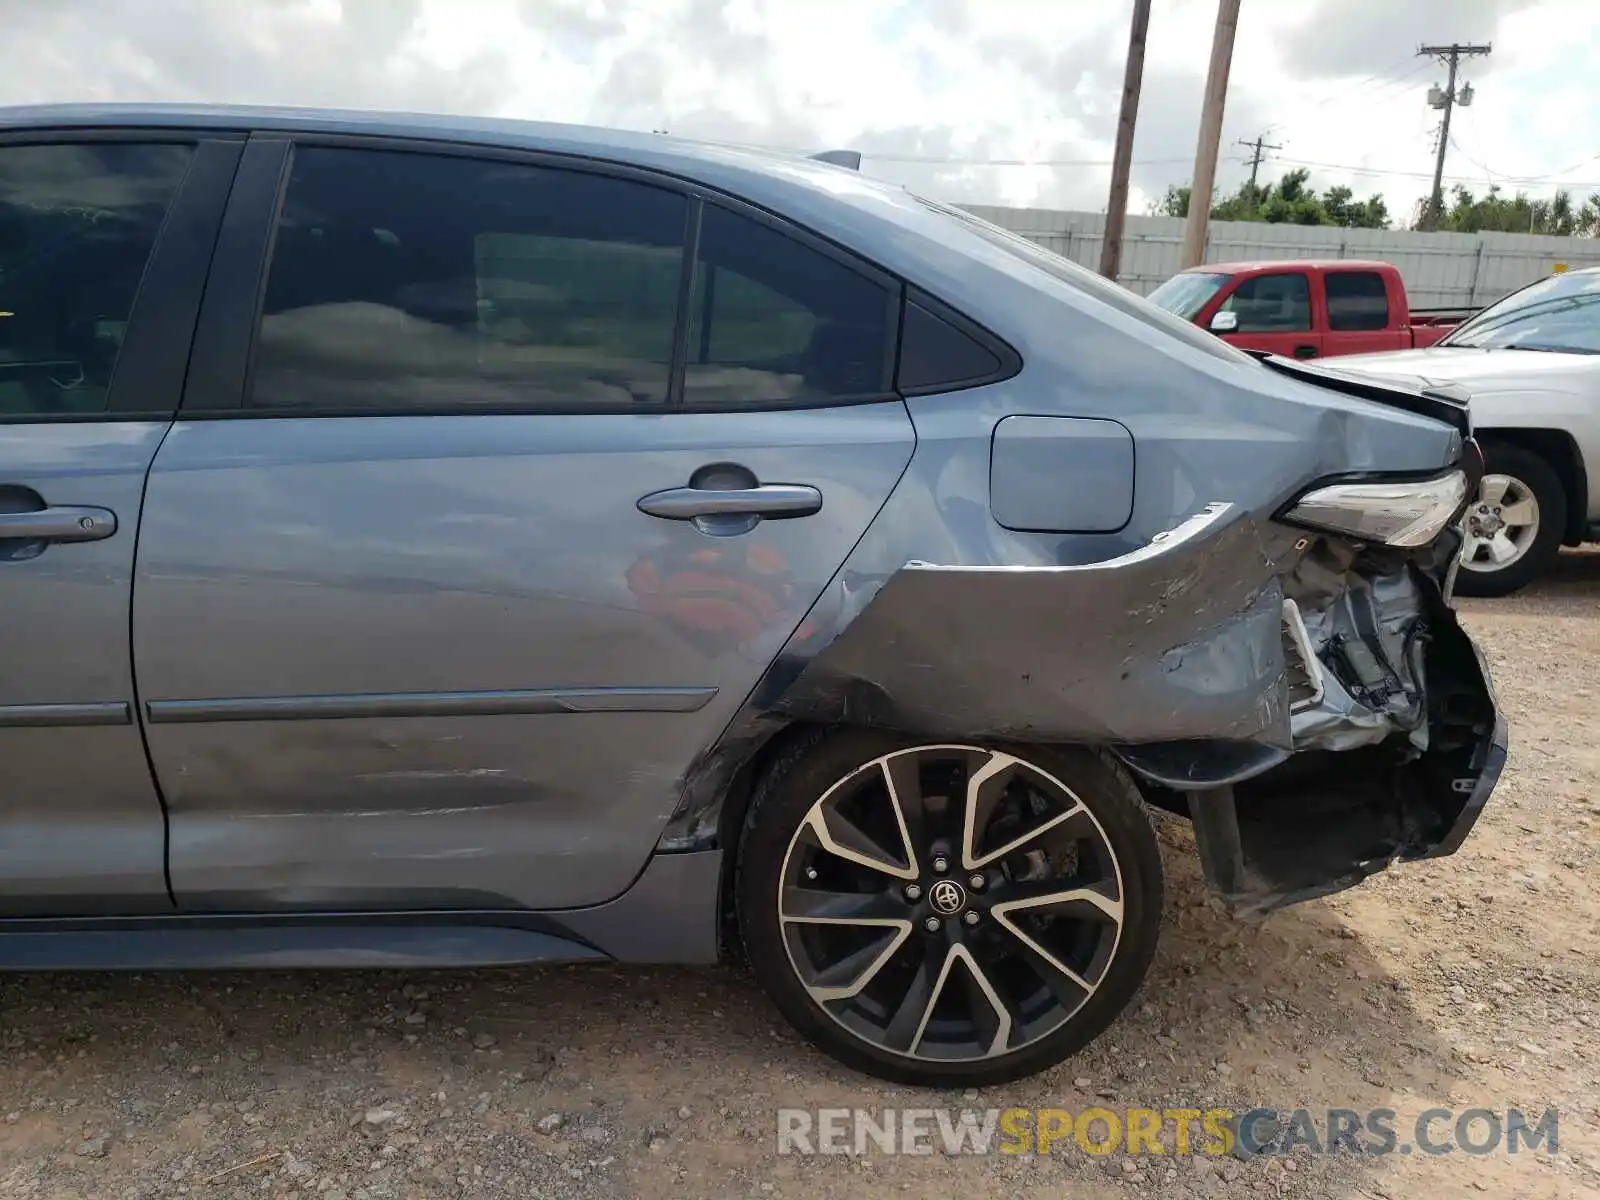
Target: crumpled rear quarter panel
{"points": [[1176, 640]]}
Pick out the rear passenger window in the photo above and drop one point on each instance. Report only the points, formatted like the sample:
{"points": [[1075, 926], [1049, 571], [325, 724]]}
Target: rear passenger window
{"points": [[420, 282], [1272, 304], [775, 321], [938, 355], [78, 223], [1356, 300]]}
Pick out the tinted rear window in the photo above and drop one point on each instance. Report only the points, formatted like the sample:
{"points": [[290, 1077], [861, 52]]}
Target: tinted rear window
{"points": [[1357, 300], [775, 321], [937, 355], [407, 281]]}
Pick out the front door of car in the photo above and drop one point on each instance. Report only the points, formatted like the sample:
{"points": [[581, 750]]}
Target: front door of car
{"points": [[1274, 314], [103, 250], [444, 585]]}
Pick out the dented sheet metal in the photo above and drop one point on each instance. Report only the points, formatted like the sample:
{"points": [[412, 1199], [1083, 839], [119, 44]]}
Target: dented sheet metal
{"points": [[1178, 639]]}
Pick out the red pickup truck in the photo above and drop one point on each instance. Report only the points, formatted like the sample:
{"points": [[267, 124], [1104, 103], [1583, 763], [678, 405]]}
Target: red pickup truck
{"points": [[1305, 309]]}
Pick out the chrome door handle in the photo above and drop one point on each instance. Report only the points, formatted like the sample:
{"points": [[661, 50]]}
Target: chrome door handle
{"points": [[64, 523], [772, 501]]}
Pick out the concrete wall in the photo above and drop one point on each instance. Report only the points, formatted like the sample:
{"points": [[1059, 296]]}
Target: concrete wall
{"points": [[1440, 269]]}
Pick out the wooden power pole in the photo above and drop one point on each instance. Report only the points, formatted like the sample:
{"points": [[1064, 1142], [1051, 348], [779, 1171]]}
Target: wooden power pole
{"points": [[1205, 155], [1122, 160], [1451, 56], [1259, 149]]}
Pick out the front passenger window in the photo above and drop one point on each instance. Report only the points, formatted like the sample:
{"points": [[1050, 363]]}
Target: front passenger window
{"points": [[1272, 304]]}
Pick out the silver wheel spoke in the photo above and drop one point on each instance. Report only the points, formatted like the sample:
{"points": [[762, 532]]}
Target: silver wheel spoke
{"points": [[1523, 512], [1501, 548], [1493, 489], [1099, 898], [853, 845], [851, 974], [1016, 843], [1050, 961], [997, 1030], [984, 789], [901, 779], [1094, 899], [1068, 987], [991, 1015], [915, 1009], [817, 907]]}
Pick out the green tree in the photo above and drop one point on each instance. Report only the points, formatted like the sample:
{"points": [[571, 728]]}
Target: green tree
{"points": [[1175, 203], [1289, 201], [1560, 215]]}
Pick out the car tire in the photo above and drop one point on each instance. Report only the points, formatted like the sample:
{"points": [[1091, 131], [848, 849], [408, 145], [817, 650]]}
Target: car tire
{"points": [[1045, 961], [1517, 474]]}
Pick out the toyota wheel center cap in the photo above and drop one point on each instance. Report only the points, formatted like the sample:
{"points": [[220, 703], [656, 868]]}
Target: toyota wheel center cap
{"points": [[947, 897]]}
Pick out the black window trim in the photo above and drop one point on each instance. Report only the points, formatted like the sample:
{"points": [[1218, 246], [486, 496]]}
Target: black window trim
{"points": [[153, 360], [222, 375]]}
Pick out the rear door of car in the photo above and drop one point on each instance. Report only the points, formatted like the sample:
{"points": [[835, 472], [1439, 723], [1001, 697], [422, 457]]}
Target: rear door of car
{"points": [[1364, 315], [499, 482], [104, 241], [1275, 314]]}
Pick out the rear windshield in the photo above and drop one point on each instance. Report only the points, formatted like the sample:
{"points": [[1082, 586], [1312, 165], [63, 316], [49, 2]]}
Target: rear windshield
{"points": [[1186, 294], [1560, 314], [1097, 286]]}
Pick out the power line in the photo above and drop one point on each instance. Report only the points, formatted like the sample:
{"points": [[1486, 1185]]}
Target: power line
{"points": [[1389, 173], [959, 161], [1347, 168], [1384, 78], [1486, 169], [1507, 177], [1383, 75], [956, 160], [1395, 86]]}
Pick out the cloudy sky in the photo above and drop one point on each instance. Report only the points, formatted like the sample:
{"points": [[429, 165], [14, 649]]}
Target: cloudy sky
{"points": [[934, 91]]}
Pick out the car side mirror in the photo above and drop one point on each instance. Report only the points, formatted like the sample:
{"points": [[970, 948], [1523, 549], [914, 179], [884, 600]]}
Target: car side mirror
{"points": [[1225, 322]]}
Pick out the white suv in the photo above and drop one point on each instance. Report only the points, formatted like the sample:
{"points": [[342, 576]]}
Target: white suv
{"points": [[1531, 363]]}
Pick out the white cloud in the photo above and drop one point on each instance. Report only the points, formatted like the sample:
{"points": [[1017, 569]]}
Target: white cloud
{"points": [[1334, 81]]}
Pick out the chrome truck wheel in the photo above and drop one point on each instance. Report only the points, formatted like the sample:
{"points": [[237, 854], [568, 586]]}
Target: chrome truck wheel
{"points": [[1500, 525], [1512, 529]]}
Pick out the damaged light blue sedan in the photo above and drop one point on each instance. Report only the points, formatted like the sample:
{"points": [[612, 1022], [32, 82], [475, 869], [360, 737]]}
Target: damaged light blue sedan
{"points": [[432, 542]]}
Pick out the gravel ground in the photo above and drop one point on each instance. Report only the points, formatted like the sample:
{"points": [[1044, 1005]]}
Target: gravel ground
{"points": [[1473, 981]]}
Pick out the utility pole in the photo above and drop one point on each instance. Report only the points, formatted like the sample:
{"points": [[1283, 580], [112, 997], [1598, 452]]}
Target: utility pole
{"points": [[1260, 147], [1122, 159], [1450, 55], [1205, 155]]}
